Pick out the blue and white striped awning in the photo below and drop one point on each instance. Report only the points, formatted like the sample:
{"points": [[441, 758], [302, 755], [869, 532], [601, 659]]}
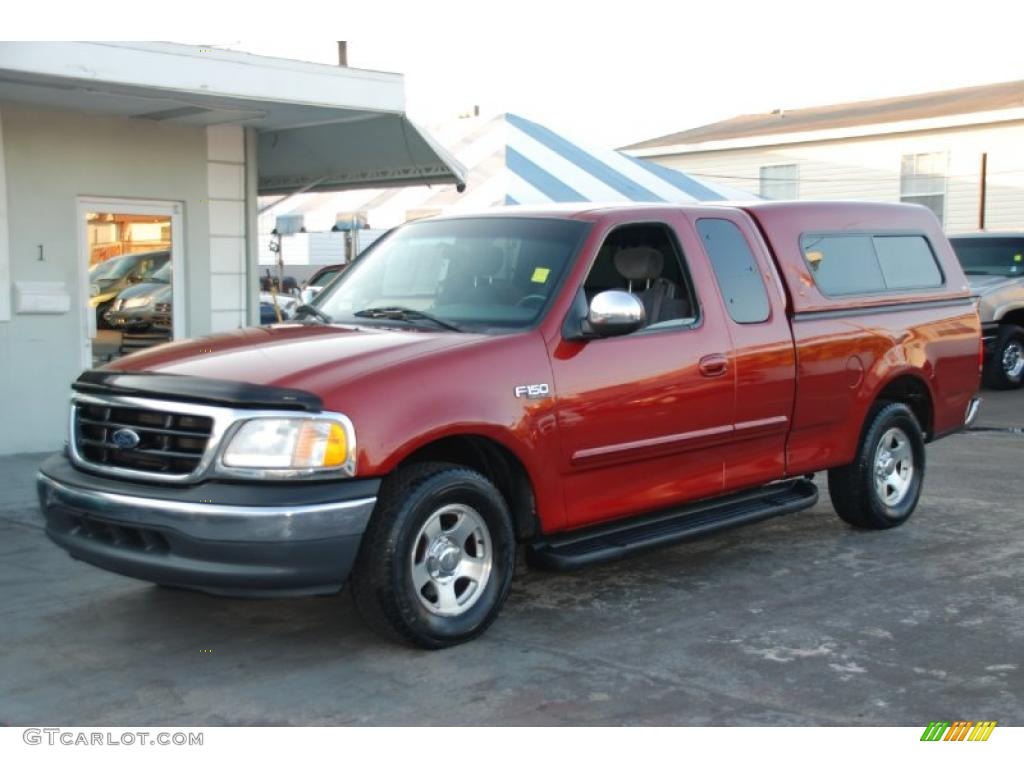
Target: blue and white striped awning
{"points": [[510, 160], [545, 167]]}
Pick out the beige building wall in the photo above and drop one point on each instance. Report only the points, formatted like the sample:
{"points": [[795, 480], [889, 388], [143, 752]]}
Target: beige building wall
{"points": [[868, 168], [50, 159]]}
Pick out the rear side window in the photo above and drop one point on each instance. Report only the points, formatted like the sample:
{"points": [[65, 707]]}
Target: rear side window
{"points": [[850, 264], [907, 262], [735, 269]]}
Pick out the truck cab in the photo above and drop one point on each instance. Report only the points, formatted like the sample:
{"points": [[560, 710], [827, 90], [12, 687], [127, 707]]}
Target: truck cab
{"points": [[575, 383]]}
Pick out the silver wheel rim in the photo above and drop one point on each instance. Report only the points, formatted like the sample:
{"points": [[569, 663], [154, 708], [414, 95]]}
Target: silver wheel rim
{"points": [[894, 467], [1013, 359], [451, 560]]}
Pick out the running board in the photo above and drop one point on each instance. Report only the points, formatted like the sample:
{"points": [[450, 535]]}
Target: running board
{"points": [[576, 549]]}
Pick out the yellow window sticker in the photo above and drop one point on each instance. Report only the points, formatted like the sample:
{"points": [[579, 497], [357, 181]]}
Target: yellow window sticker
{"points": [[540, 275], [1018, 257]]}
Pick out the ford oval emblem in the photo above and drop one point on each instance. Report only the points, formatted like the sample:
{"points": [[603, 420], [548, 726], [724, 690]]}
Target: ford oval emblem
{"points": [[125, 439]]}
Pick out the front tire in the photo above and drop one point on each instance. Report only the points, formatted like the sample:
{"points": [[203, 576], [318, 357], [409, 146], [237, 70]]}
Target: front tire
{"points": [[1005, 369], [881, 487], [436, 560]]}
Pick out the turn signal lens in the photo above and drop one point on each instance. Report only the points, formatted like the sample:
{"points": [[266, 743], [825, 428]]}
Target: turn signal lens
{"points": [[336, 453]]}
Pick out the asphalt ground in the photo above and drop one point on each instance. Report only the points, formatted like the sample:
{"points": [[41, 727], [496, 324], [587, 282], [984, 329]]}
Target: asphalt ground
{"points": [[797, 621]]}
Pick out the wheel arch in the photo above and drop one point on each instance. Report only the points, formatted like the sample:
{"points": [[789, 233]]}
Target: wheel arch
{"points": [[496, 462], [1014, 316], [913, 391]]}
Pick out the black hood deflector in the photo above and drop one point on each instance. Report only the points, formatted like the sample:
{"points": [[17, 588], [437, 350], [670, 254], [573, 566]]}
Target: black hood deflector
{"points": [[195, 389]]}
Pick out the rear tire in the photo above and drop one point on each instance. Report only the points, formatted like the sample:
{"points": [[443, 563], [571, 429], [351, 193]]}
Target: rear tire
{"points": [[436, 560], [881, 487], [1005, 368]]}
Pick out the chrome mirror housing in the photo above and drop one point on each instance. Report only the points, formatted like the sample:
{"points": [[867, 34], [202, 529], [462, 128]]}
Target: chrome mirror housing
{"points": [[615, 313]]}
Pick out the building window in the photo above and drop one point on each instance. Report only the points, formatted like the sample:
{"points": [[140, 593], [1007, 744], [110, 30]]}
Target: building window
{"points": [[923, 181], [779, 182]]}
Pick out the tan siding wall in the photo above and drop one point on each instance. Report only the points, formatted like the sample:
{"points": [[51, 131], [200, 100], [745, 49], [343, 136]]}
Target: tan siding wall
{"points": [[869, 169]]}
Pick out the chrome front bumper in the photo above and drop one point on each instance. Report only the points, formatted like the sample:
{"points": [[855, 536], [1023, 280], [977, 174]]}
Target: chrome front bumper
{"points": [[241, 540], [213, 521], [972, 412]]}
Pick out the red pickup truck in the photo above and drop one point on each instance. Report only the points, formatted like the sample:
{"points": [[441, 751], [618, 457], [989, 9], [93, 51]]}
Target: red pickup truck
{"points": [[574, 383]]}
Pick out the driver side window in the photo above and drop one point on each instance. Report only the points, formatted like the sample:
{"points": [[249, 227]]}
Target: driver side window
{"points": [[645, 260]]}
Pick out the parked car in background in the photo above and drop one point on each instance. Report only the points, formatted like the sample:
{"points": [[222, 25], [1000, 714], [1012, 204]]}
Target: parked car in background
{"points": [[319, 280], [267, 314], [108, 278], [994, 265], [286, 303], [582, 383], [146, 305]]}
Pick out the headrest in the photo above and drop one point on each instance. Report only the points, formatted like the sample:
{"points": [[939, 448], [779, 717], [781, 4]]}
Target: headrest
{"points": [[641, 263]]}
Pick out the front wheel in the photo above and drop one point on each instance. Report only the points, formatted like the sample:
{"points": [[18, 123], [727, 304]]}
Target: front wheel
{"points": [[436, 561], [1005, 368], [882, 485]]}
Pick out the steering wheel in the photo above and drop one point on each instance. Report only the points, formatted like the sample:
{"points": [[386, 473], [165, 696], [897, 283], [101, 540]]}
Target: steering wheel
{"points": [[531, 298]]}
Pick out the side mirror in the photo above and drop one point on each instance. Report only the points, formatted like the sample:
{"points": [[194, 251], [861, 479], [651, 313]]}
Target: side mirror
{"points": [[614, 313]]}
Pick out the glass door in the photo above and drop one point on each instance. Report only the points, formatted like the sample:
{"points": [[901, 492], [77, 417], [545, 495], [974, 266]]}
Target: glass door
{"points": [[131, 275]]}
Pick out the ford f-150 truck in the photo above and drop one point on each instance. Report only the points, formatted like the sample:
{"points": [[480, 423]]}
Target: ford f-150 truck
{"points": [[573, 383]]}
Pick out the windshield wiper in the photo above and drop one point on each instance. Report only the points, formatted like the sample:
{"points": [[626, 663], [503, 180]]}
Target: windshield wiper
{"points": [[309, 309], [407, 315]]}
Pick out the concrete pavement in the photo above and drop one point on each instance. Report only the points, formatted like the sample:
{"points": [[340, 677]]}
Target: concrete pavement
{"points": [[796, 621]]}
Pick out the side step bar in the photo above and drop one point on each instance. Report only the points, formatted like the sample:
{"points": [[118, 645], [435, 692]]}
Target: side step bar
{"points": [[563, 552]]}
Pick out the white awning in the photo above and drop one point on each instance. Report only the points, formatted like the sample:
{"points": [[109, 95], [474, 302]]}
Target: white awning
{"points": [[316, 124]]}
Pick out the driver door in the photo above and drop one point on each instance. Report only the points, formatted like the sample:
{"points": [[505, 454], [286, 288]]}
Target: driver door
{"points": [[646, 419]]}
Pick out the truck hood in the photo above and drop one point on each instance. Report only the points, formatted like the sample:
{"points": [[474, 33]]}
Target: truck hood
{"points": [[307, 357], [159, 291], [983, 285]]}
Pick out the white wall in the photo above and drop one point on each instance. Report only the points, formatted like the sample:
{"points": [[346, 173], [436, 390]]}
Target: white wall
{"points": [[225, 155], [52, 157], [869, 169], [5, 251]]}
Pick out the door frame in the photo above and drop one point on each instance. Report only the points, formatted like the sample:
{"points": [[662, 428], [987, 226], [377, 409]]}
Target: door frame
{"points": [[170, 208]]}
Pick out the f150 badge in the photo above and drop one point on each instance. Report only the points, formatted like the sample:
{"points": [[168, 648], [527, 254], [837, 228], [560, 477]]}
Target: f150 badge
{"points": [[533, 391]]}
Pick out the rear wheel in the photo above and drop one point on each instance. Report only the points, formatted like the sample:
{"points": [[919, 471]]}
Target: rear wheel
{"points": [[436, 560], [1005, 368], [882, 485]]}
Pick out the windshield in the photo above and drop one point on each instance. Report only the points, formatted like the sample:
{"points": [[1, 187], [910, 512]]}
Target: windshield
{"points": [[112, 269], [1003, 256], [141, 264], [484, 274], [319, 281], [162, 275]]}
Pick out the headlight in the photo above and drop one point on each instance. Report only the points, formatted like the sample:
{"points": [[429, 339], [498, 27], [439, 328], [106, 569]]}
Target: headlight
{"points": [[272, 447], [136, 302]]}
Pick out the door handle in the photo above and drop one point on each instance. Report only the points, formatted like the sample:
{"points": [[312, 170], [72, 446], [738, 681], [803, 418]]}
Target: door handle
{"points": [[713, 365]]}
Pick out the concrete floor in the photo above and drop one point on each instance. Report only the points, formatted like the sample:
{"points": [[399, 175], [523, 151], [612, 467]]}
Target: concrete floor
{"points": [[797, 621]]}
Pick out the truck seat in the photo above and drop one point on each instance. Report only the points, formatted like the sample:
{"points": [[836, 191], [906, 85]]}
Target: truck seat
{"points": [[644, 265]]}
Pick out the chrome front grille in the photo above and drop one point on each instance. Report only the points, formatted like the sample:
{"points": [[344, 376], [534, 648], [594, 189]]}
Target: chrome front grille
{"points": [[168, 442]]}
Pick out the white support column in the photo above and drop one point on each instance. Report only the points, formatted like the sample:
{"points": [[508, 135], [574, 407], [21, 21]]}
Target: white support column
{"points": [[225, 170], [5, 244], [251, 228]]}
